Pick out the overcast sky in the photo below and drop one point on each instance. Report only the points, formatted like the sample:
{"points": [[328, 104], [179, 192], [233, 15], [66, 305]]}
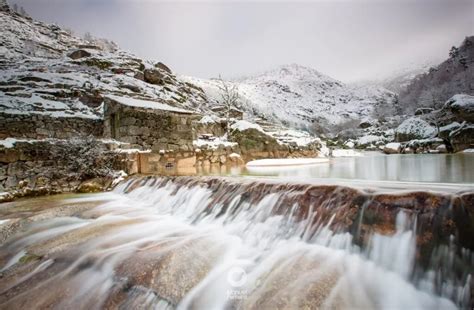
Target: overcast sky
{"points": [[349, 40]]}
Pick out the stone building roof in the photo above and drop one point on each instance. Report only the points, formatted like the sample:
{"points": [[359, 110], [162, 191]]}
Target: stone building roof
{"points": [[147, 104]]}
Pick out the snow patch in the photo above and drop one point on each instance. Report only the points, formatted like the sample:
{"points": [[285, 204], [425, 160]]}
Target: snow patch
{"points": [[244, 125]]}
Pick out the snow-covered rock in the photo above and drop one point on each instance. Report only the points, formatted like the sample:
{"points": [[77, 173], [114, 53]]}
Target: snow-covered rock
{"points": [[369, 141], [349, 144], [444, 131], [243, 125], [392, 148], [462, 138], [462, 106], [414, 128]]}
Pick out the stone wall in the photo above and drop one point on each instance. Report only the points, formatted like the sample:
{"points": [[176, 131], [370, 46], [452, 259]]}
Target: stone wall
{"points": [[59, 165], [37, 126], [149, 128]]}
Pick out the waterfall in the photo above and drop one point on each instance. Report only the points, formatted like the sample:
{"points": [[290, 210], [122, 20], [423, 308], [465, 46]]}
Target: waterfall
{"points": [[218, 243]]}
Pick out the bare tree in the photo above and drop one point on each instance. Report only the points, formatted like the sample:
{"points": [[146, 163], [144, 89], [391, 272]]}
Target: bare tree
{"points": [[229, 97], [88, 37]]}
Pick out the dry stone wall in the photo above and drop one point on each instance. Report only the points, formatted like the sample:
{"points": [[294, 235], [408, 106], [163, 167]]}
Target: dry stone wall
{"points": [[36, 126]]}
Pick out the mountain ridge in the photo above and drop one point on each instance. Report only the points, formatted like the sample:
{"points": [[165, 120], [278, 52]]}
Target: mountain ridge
{"points": [[301, 96]]}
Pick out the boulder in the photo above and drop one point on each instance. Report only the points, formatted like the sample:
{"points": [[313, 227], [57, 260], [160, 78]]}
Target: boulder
{"points": [[392, 148], [462, 106], [442, 149], [446, 130], [154, 76], [78, 54], [462, 138], [414, 128]]}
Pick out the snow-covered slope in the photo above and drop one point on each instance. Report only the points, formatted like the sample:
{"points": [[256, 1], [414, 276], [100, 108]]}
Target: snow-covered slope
{"points": [[46, 70], [400, 80], [303, 97]]}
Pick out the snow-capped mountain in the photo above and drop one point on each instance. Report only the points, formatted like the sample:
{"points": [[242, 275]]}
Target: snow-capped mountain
{"points": [[303, 97], [47, 70]]}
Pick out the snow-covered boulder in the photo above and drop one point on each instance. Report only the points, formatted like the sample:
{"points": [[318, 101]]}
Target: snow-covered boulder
{"points": [[446, 130], [414, 128], [462, 138], [462, 106], [392, 148]]}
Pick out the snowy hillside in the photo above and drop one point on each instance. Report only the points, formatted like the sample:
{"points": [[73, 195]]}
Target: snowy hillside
{"points": [[398, 81], [303, 97], [46, 70]]}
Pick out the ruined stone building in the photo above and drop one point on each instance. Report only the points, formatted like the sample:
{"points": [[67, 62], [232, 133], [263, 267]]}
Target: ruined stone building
{"points": [[148, 124]]}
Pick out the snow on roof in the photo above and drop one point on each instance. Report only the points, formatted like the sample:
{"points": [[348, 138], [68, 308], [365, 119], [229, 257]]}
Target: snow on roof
{"points": [[146, 104]]}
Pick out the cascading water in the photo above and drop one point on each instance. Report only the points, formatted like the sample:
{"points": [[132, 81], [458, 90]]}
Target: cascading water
{"points": [[216, 244]]}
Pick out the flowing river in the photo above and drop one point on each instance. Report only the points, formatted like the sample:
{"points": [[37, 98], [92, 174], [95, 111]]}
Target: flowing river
{"points": [[227, 242]]}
